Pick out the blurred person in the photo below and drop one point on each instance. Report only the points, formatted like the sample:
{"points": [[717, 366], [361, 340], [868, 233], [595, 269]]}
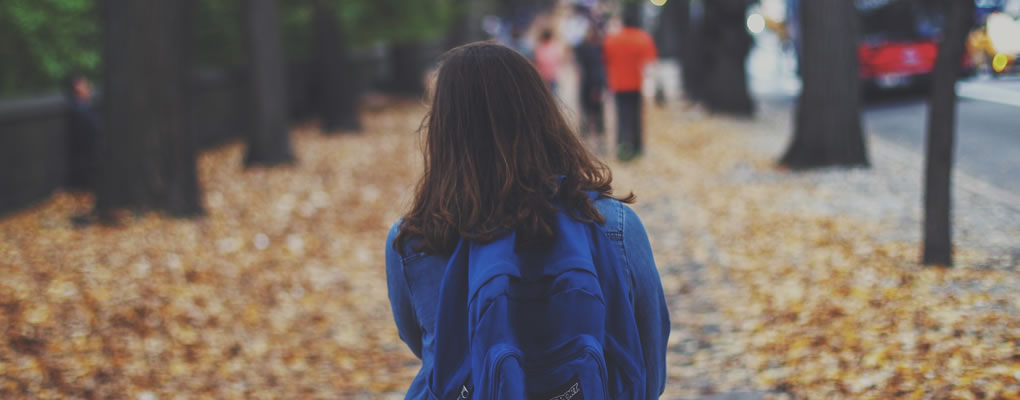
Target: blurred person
{"points": [[627, 53], [507, 180], [549, 58], [793, 30], [575, 28], [592, 87], [82, 127], [518, 41]]}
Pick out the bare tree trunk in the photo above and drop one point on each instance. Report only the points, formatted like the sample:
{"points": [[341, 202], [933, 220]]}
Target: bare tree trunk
{"points": [[828, 118], [673, 28], [695, 53], [725, 74], [268, 130], [466, 27], [938, 243], [407, 69], [147, 147], [335, 77]]}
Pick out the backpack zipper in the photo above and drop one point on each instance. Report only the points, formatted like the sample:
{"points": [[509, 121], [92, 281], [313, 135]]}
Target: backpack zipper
{"points": [[499, 368]]}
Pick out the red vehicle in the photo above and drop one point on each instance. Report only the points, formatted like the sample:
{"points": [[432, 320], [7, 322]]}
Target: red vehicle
{"points": [[892, 64], [899, 43]]}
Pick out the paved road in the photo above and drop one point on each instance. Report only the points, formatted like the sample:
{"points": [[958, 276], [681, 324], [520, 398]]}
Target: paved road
{"points": [[988, 119], [988, 134]]}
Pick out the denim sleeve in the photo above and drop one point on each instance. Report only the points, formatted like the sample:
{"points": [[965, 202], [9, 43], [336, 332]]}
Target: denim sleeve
{"points": [[400, 296], [649, 301]]}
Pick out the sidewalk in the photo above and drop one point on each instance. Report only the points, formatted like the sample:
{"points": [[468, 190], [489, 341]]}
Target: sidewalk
{"points": [[1005, 90], [779, 285], [280, 293], [809, 283], [986, 219]]}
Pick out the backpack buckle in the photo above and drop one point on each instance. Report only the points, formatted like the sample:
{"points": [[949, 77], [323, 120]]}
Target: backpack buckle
{"points": [[465, 394]]}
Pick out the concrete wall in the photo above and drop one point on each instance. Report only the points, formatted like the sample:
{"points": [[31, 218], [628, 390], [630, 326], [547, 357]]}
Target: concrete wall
{"points": [[34, 149], [33, 137]]}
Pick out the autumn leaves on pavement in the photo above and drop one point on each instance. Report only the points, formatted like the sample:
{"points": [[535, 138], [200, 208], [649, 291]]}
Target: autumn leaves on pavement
{"points": [[280, 292]]}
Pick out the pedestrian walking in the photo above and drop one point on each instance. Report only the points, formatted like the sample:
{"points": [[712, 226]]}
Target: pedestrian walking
{"points": [[627, 53], [517, 273], [82, 127], [592, 88], [519, 42], [82, 134], [549, 58]]}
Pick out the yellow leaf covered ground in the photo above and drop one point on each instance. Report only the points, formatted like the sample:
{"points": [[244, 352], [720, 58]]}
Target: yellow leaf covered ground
{"points": [[816, 304], [279, 292]]}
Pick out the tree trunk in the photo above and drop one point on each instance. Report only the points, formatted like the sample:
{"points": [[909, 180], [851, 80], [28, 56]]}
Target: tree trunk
{"points": [[514, 8], [673, 28], [938, 243], [268, 130], [335, 77], [407, 69], [828, 118], [148, 149], [466, 27], [695, 57], [725, 81]]}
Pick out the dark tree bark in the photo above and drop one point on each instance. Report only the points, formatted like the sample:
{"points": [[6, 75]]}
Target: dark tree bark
{"points": [[938, 243], [636, 9], [673, 28], [725, 74], [335, 80], [147, 147], [466, 27], [407, 69], [695, 57], [513, 7], [670, 34], [268, 130], [828, 119]]}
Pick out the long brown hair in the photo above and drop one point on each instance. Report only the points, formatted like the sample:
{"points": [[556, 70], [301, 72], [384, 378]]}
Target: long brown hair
{"points": [[498, 156]]}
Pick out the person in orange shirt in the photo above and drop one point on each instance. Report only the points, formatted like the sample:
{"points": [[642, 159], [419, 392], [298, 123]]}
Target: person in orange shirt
{"points": [[626, 54]]}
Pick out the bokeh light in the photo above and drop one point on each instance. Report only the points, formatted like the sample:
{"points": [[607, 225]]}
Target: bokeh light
{"points": [[999, 62], [756, 23]]}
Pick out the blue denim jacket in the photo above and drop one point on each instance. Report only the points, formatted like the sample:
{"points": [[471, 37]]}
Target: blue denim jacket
{"points": [[413, 279]]}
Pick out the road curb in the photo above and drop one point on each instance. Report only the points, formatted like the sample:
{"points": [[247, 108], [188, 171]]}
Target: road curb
{"points": [[985, 91], [897, 154]]}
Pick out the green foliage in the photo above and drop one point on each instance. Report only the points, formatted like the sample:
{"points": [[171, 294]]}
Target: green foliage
{"points": [[397, 21], [41, 41], [219, 33], [367, 22], [295, 26]]}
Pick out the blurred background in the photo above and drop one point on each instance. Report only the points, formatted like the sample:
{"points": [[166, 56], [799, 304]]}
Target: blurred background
{"points": [[333, 57], [194, 194]]}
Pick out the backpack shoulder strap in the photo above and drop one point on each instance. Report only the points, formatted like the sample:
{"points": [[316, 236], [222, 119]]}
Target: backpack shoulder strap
{"points": [[452, 368]]}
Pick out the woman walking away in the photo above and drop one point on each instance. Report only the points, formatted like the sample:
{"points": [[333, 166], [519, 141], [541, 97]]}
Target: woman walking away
{"points": [[517, 273], [588, 54]]}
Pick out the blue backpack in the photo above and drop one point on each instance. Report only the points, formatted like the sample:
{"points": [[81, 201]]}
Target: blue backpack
{"points": [[550, 325]]}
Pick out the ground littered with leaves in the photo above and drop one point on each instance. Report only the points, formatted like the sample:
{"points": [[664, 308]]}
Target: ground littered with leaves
{"points": [[280, 292]]}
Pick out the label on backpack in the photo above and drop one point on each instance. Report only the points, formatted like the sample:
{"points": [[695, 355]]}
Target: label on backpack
{"points": [[568, 391]]}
